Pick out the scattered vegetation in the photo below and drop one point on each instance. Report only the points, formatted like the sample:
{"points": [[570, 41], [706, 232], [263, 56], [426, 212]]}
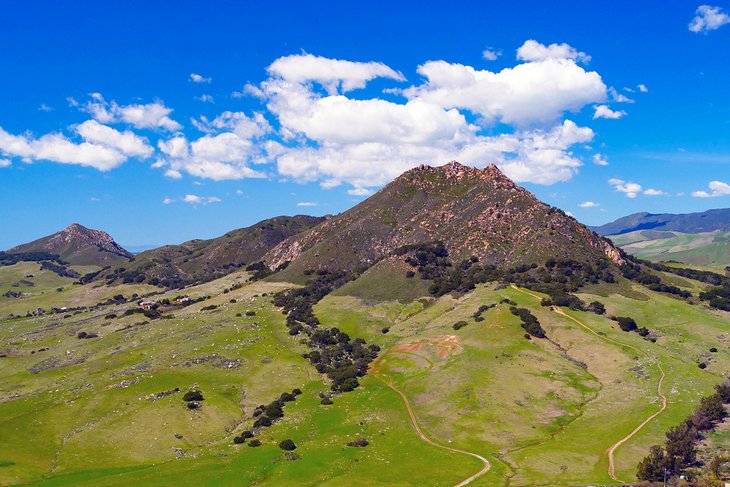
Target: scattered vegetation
{"points": [[529, 322]]}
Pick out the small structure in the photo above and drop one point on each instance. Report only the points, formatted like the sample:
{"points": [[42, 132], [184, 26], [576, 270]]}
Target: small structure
{"points": [[182, 300], [148, 305]]}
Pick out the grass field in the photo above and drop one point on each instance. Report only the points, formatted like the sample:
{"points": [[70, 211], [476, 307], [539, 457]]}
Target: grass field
{"points": [[543, 412], [710, 249]]}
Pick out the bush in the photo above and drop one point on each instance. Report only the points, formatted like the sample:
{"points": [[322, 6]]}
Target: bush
{"points": [[702, 365], [239, 439], [459, 325], [193, 405], [385, 330], [326, 401], [358, 443], [254, 443], [410, 274], [250, 313], [193, 396], [287, 445], [626, 323], [713, 350]]}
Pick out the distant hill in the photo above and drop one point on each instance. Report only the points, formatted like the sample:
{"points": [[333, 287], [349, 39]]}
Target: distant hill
{"points": [[710, 249], [706, 221], [205, 260], [79, 245], [474, 212]]}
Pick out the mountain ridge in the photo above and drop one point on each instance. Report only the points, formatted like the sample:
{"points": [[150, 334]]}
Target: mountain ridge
{"points": [[696, 222]]}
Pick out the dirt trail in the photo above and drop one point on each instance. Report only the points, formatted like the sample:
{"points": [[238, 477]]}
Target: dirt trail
{"points": [[662, 398], [375, 370]]}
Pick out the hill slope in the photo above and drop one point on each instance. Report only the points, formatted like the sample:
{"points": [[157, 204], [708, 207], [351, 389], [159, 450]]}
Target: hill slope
{"points": [[706, 221], [205, 260], [474, 212], [79, 245], [706, 249]]}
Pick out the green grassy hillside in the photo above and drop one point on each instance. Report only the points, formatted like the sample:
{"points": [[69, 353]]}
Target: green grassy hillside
{"points": [[711, 249], [105, 411]]}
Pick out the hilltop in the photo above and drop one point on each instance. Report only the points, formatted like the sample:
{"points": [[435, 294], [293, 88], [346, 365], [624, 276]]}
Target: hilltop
{"points": [[79, 245], [205, 260], [474, 212]]}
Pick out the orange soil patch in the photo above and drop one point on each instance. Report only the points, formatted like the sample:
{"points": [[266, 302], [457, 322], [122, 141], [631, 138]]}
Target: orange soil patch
{"points": [[444, 345]]}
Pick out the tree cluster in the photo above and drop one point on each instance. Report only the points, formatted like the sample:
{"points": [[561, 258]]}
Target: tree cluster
{"points": [[529, 322], [680, 448]]}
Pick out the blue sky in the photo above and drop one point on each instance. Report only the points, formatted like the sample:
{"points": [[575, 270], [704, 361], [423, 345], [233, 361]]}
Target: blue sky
{"points": [[309, 108]]}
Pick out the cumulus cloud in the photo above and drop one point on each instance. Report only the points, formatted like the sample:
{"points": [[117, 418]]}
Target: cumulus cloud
{"points": [[199, 78], [333, 74], [141, 116], [619, 97], [532, 50], [708, 18], [230, 146], [717, 188], [103, 148], [643, 88], [600, 160], [588, 204], [655, 192], [125, 142], [5, 162], [628, 188], [205, 98], [491, 54], [603, 111]]}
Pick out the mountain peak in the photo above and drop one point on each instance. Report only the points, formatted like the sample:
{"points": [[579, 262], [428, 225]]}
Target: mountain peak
{"points": [[474, 212], [80, 245]]}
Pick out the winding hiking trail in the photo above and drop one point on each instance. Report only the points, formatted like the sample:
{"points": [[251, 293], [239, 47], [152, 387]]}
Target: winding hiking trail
{"points": [[375, 371], [662, 398]]}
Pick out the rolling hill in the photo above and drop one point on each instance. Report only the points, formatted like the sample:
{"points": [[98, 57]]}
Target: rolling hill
{"points": [[205, 260], [79, 245], [709, 249]]}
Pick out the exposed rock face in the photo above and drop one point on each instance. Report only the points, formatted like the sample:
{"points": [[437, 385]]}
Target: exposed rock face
{"points": [[474, 212], [79, 245]]}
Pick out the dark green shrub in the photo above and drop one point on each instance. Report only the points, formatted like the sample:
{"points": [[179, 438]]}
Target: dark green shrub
{"points": [[193, 396], [254, 443], [287, 445]]}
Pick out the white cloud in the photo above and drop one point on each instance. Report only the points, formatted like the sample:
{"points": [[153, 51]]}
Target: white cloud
{"points": [[528, 94], [168, 201], [56, 147], [708, 18], [194, 199], [619, 97], [230, 146], [600, 160], [643, 88], [94, 199], [717, 188], [141, 116], [603, 111], [532, 50], [588, 204], [359, 192], [45, 108], [333, 74], [125, 142], [655, 192], [491, 54], [307, 203], [628, 188], [205, 98], [198, 78], [5, 162]]}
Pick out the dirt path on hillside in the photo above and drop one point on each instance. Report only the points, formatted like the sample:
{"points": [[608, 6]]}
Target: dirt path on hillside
{"points": [[376, 371], [662, 398]]}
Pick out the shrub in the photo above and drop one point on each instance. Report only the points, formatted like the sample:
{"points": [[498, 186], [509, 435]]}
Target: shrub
{"points": [[410, 274], [250, 313], [246, 434], [459, 325], [713, 350], [358, 443], [385, 330], [626, 323], [193, 405], [702, 365], [254, 443], [193, 396], [239, 439], [287, 445], [296, 391], [326, 401]]}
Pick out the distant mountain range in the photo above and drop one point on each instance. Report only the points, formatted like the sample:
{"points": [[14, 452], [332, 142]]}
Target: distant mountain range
{"points": [[706, 221], [79, 245]]}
